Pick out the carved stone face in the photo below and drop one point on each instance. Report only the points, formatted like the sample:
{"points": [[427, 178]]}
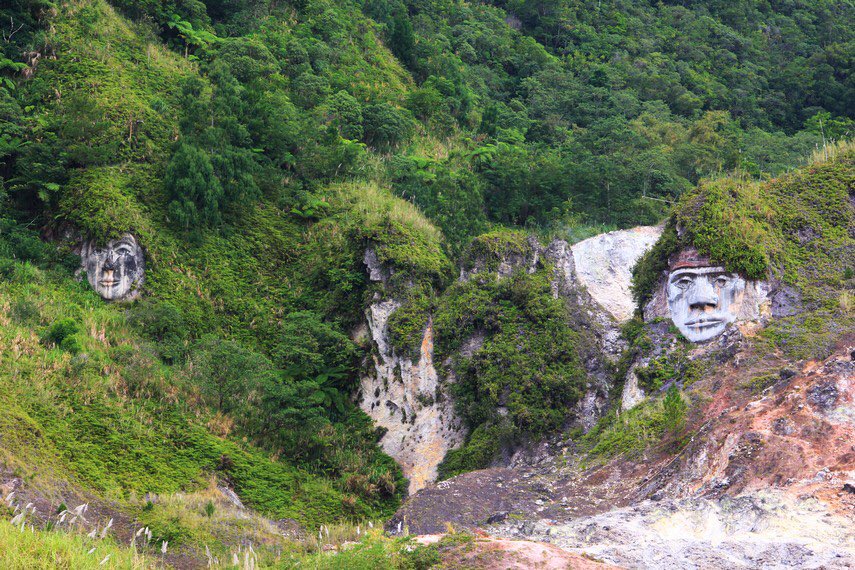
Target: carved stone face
{"points": [[704, 300], [117, 270]]}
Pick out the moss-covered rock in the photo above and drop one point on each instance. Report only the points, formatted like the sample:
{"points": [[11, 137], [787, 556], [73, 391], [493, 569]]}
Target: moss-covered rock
{"points": [[796, 230]]}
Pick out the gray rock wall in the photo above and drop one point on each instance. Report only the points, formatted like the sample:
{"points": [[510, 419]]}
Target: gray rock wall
{"points": [[410, 398]]}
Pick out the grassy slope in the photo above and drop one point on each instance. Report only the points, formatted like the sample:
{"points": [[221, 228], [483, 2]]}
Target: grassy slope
{"points": [[29, 550], [114, 419]]}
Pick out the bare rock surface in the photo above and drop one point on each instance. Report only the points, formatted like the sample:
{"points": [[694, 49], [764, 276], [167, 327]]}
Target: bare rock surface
{"points": [[407, 399], [763, 480], [405, 396], [490, 553], [765, 530], [603, 264]]}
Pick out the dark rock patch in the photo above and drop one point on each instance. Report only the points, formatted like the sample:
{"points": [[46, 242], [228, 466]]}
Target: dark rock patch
{"points": [[783, 426], [823, 396], [786, 301]]}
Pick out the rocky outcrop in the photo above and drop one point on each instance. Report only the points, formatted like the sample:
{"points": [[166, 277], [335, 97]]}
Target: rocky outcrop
{"points": [[405, 397], [765, 480], [767, 530], [409, 398], [604, 267], [596, 274]]}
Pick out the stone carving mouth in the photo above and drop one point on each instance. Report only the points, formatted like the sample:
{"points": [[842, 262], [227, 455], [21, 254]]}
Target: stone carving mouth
{"points": [[109, 282], [704, 323]]}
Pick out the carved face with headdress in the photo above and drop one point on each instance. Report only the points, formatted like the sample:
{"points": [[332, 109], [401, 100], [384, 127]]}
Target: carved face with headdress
{"points": [[115, 270], [702, 298]]}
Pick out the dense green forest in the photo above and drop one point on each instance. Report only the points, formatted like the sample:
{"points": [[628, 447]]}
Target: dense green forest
{"points": [[256, 147], [552, 114]]}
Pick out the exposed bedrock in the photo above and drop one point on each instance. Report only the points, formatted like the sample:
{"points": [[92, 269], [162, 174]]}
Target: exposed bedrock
{"points": [[407, 399], [410, 398], [604, 267], [762, 530]]}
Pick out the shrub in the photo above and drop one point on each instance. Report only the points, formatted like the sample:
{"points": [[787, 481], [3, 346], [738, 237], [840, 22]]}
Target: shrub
{"points": [[674, 366], [524, 376], [480, 450], [634, 430], [230, 375], [195, 191], [162, 322], [24, 311], [60, 330], [385, 126], [345, 113], [674, 410], [71, 344]]}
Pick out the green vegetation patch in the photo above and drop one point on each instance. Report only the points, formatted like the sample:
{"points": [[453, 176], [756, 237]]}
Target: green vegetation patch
{"points": [[42, 549], [520, 372], [796, 228], [674, 366], [488, 250], [633, 431], [111, 416]]}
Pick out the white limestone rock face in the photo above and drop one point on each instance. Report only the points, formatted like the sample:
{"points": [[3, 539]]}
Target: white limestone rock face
{"points": [[632, 394], [409, 401], [604, 263]]}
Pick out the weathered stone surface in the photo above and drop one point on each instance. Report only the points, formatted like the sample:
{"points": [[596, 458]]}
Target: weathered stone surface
{"points": [[766, 530], [603, 265], [407, 399], [376, 270], [116, 270], [490, 553], [632, 394], [696, 507], [823, 396]]}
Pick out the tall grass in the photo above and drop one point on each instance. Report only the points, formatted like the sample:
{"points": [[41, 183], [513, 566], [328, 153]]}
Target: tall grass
{"points": [[375, 206], [31, 549], [831, 151]]}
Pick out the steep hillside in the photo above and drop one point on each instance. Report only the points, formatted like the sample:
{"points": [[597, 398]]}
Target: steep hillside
{"points": [[738, 452], [347, 232]]}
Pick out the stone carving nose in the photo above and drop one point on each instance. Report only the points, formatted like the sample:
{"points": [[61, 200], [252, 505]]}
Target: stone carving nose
{"points": [[109, 264], [703, 295]]}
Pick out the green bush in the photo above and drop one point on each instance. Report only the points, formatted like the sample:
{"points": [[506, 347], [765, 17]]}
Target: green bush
{"points": [[60, 330], [71, 344], [385, 127], [673, 410], [525, 375], [195, 190], [480, 449], [674, 366], [162, 322]]}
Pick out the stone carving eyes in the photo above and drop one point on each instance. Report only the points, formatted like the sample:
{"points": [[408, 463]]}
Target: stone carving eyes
{"points": [[721, 281], [120, 251], [684, 283]]}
